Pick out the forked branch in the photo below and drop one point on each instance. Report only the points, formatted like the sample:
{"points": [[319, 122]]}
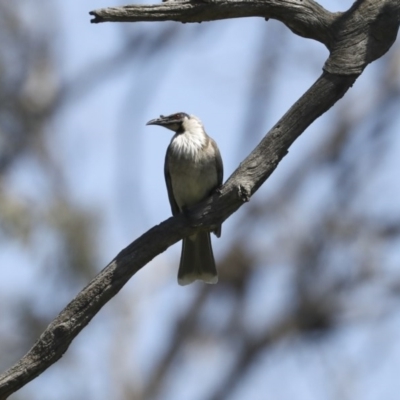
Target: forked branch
{"points": [[355, 38]]}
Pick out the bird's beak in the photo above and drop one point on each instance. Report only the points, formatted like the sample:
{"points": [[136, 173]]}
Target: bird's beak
{"points": [[162, 121]]}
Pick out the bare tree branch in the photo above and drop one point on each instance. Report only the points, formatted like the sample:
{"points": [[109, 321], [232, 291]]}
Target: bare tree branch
{"points": [[305, 18], [362, 34]]}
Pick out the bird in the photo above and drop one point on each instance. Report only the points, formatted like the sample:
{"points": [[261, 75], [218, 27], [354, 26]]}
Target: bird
{"points": [[193, 170]]}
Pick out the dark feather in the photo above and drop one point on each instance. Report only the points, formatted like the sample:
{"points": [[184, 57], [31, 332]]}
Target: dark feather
{"points": [[172, 202], [197, 260], [220, 176]]}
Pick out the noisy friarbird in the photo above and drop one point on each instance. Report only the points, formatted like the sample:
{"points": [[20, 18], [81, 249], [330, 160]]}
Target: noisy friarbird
{"points": [[193, 170]]}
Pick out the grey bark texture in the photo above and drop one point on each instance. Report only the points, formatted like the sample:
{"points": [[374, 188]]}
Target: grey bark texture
{"points": [[354, 38]]}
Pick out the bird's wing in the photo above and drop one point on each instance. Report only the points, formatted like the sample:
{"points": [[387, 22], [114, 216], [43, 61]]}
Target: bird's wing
{"points": [[172, 202], [218, 162], [220, 175]]}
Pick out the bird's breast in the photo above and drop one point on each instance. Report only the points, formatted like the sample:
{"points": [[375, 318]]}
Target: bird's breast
{"points": [[193, 175]]}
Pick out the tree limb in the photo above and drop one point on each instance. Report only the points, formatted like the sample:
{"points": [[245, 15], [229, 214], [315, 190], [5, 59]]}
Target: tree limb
{"points": [[363, 34], [305, 18]]}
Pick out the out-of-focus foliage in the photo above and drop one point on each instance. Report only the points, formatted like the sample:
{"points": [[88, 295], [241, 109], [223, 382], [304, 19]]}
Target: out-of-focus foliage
{"points": [[307, 302], [45, 236]]}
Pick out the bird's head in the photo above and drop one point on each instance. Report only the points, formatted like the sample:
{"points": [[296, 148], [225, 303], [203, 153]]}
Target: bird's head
{"points": [[173, 122]]}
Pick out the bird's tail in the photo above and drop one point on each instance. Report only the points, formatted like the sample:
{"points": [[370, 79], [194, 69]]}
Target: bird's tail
{"points": [[197, 260]]}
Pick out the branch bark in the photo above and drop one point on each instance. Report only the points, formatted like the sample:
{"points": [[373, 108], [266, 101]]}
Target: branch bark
{"points": [[304, 17], [357, 37]]}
